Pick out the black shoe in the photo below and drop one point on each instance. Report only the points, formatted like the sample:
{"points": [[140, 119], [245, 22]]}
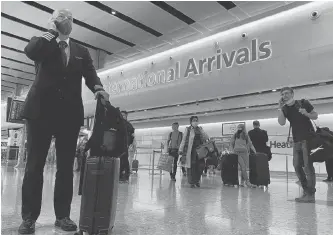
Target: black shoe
{"points": [[328, 180], [27, 227], [173, 179], [198, 185], [66, 224], [192, 186]]}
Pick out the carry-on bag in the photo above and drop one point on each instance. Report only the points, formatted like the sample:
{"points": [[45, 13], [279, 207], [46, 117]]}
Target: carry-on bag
{"points": [[100, 183], [229, 169], [135, 164], [99, 195], [165, 162], [206, 150], [320, 144], [259, 169], [212, 161]]}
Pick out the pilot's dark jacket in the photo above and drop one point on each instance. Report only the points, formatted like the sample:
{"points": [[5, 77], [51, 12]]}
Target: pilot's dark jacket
{"points": [[55, 83]]}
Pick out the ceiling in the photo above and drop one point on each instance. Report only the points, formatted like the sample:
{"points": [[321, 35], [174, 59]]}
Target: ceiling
{"points": [[117, 32]]}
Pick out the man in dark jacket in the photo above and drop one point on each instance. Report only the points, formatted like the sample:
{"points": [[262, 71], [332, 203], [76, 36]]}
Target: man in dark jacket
{"points": [[124, 163], [259, 139], [54, 107]]}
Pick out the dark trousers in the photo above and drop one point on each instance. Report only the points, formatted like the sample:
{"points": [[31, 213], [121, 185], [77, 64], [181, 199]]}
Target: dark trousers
{"points": [[174, 154], [195, 172], [197, 166], [82, 170], [39, 135], [329, 168], [124, 167]]}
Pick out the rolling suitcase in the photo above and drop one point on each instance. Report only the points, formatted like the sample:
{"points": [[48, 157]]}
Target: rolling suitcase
{"points": [[229, 169], [135, 165], [100, 173], [259, 169], [99, 195]]}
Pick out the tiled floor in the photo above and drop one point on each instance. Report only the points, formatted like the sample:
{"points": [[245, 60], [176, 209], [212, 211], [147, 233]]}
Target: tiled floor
{"points": [[157, 206]]}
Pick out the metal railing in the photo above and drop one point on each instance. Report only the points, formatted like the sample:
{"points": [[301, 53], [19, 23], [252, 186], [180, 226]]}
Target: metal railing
{"points": [[152, 172]]}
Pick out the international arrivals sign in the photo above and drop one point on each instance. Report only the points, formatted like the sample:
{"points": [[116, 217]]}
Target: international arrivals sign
{"points": [[194, 67]]}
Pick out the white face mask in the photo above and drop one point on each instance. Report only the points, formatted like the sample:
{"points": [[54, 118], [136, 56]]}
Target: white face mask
{"points": [[195, 124]]}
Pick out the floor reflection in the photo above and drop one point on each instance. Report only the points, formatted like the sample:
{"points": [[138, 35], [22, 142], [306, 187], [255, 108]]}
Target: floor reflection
{"points": [[156, 205]]}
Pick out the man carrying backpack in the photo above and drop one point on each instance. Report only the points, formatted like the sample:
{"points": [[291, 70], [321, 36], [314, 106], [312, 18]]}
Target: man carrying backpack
{"points": [[174, 141], [300, 113]]}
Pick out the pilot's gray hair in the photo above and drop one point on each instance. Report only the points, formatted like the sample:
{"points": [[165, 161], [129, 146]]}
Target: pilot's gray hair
{"points": [[56, 13]]}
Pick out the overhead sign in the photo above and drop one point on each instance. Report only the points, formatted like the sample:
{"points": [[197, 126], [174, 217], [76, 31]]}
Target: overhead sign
{"points": [[194, 67], [230, 128], [14, 110]]}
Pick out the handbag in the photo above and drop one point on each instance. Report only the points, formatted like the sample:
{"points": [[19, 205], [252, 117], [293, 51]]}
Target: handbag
{"points": [[165, 162], [205, 149]]}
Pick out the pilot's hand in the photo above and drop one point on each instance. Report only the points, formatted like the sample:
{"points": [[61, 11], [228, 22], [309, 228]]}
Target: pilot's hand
{"points": [[52, 25], [103, 94]]}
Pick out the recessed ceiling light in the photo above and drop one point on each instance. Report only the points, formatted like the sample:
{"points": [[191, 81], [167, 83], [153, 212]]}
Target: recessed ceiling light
{"points": [[274, 90], [178, 105], [113, 12], [247, 107]]}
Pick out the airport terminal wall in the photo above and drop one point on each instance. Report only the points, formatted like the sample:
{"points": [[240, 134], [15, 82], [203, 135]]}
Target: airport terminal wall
{"points": [[271, 56]]}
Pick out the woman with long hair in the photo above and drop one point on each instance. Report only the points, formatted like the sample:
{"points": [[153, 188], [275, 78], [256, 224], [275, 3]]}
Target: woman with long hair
{"points": [[194, 136], [241, 145]]}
